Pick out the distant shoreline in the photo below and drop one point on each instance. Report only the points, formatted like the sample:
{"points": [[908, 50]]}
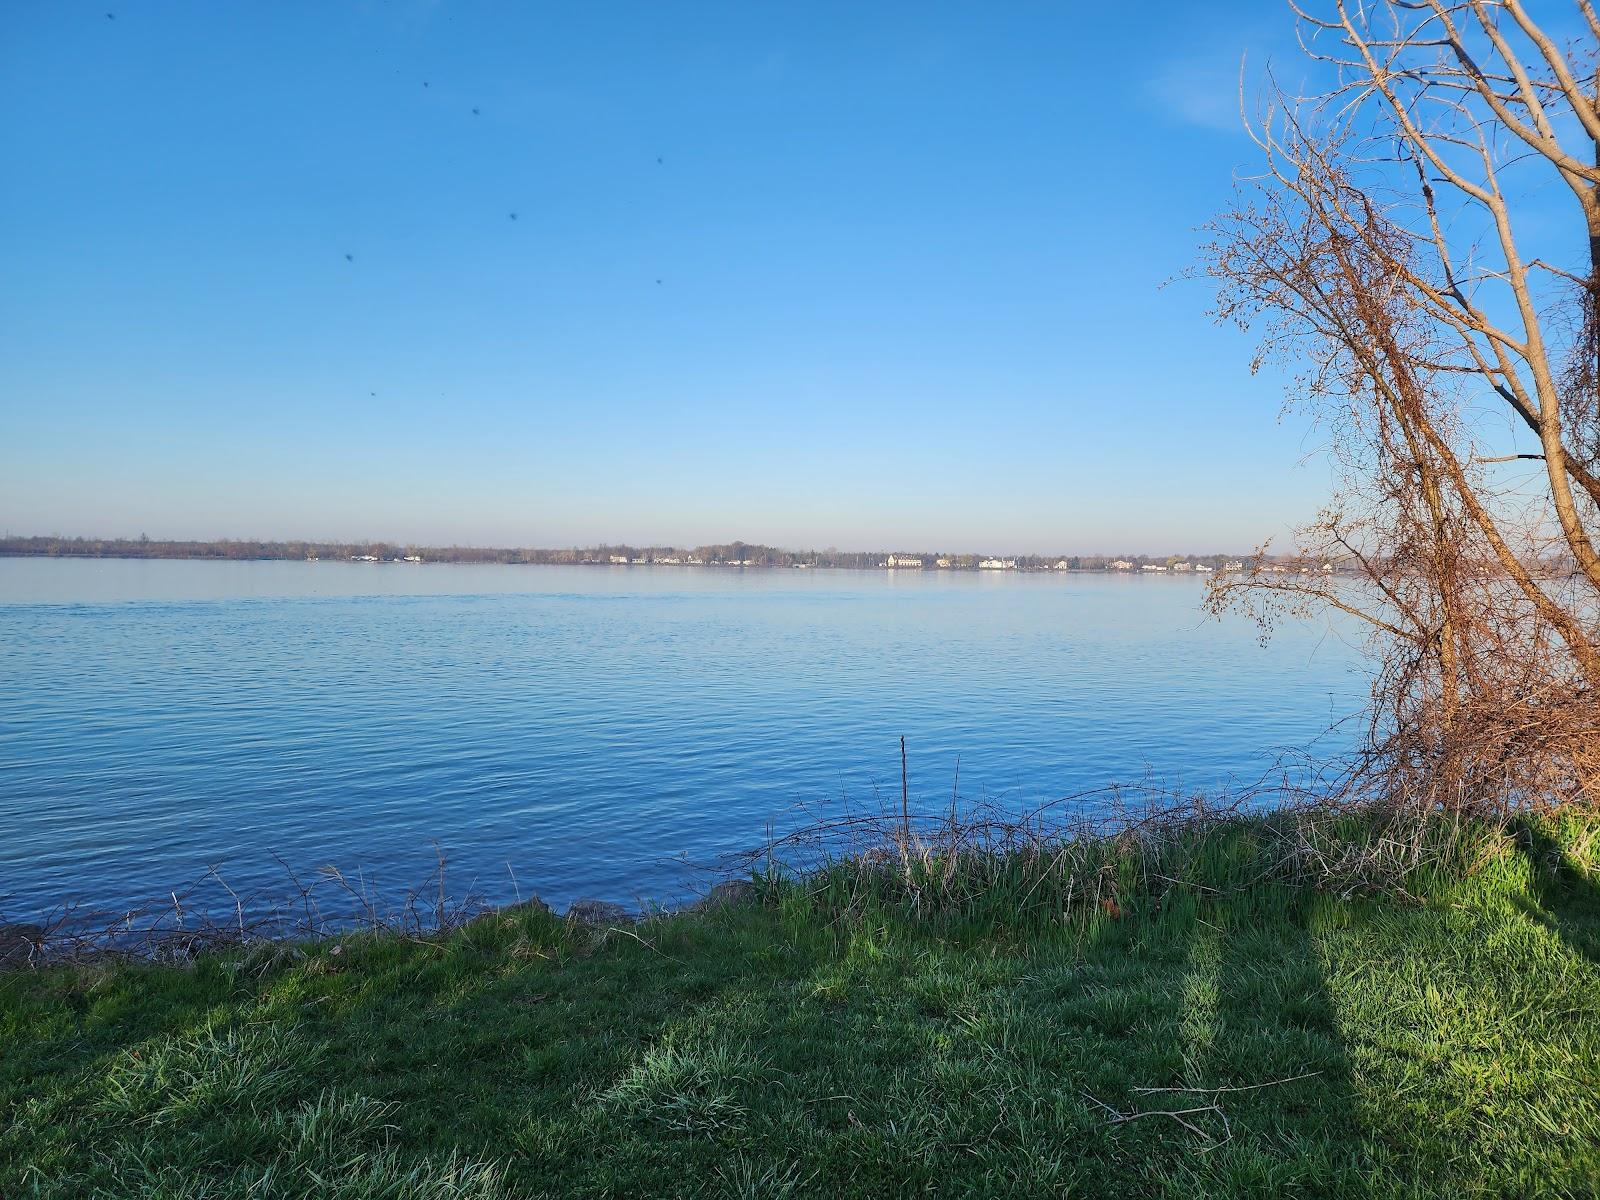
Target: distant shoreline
{"points": [[443, 562], [733, 554]]}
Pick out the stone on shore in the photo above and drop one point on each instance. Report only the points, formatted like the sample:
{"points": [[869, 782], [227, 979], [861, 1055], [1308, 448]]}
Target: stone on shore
{"points": [[599, 912], [731, 893]]}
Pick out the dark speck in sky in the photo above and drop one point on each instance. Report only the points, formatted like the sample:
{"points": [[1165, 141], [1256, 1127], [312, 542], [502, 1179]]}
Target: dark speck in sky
{"points": [[474, 112], [513, 216], [349, 258]]}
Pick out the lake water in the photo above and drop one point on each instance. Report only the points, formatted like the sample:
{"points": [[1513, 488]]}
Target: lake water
{"points": [[586, 724]]}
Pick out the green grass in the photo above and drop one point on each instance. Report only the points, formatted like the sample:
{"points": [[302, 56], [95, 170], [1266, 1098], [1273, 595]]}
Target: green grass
{"points": [[829, 1043]]}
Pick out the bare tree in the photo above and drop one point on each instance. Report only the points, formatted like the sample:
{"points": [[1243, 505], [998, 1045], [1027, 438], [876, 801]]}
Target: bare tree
{"points": [[1424, 247]]}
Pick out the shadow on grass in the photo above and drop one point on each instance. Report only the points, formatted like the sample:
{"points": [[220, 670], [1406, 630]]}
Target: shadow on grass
{"points": [[1261, 1033], [754, 1053], [1191, 1047], [1567, 891], [374, 1060]]}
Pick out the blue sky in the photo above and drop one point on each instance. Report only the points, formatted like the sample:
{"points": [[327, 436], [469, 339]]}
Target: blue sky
{"points": [[812, 274]]}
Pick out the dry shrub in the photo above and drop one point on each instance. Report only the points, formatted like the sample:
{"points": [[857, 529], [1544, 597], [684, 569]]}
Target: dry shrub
{"points": [[1386, 253]]}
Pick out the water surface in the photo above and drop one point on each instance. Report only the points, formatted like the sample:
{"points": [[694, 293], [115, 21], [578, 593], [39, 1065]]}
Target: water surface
{"points": [[585, 724]]}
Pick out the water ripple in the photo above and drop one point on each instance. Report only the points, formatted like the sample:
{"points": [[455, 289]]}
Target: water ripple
{"points": [[582, 724]]}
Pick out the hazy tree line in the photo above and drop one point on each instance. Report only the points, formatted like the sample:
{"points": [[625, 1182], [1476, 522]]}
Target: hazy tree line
{"points": [[748, 553]]}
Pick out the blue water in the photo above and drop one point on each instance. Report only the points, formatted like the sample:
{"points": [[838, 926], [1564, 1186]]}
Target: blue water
{"points": [[576, 728]]}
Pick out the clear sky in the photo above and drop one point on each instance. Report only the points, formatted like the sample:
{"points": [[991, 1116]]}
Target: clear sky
{"points": [[863, 275]]}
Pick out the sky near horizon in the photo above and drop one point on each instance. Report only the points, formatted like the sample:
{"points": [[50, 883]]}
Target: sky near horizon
{"points": [[866, 276]]}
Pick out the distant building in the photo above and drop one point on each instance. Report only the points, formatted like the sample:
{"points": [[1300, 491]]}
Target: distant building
{"points": [[903, 560], [998, 564], [414, 558], [1063, 565], [1122, 564], [620, 560], [1183, 566], [671, 561], [1235, 565], [363, 558], [943, 564], [1202, 567], [1152, 567]]}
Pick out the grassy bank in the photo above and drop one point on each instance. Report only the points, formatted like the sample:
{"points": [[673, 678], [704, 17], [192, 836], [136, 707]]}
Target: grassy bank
{"points": [[831, 1041]]}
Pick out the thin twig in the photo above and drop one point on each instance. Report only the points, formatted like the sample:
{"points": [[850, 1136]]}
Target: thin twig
{"points": [[1214, 1091]]}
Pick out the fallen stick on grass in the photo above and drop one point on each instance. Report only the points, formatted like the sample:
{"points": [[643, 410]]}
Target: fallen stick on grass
{"points": [[1179, 1115], [1215, 1091]]}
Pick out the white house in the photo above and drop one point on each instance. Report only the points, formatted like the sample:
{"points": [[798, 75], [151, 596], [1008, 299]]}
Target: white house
{"points": [[998, 564], [903, 560], [1122, 564]]}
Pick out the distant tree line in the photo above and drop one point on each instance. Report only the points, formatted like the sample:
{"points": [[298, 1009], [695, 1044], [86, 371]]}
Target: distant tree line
{"points": [[721, 554]]}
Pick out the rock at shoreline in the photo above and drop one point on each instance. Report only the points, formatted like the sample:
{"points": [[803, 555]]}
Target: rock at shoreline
{"points": [[731, 893], [599, 912], [19, 943]]}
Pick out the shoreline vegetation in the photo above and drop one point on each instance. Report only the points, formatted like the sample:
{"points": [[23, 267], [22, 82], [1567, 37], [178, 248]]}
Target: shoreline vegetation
{"points": [[1324, 1001]]}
